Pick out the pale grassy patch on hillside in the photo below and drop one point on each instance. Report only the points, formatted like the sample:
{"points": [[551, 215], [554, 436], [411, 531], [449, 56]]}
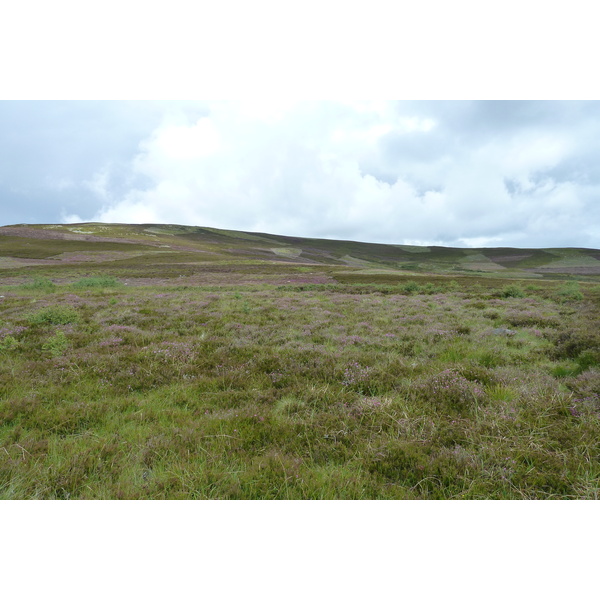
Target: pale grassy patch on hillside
{"points": [[356, 262], [172, 229], [91, 256], [87, 229], [243, 236], [511, 274], [288, 252], [378, 271], [413, 249], [571, 257], [478, 262]]}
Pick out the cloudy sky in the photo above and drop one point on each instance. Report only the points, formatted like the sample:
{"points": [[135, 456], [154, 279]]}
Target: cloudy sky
{"points": [[480, 173]]}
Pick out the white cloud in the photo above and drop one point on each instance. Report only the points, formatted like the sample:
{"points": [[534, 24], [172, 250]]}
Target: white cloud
{"points": [[311, 169]]}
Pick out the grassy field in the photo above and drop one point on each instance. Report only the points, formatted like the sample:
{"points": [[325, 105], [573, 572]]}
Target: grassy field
{"points": [[180, 362]]}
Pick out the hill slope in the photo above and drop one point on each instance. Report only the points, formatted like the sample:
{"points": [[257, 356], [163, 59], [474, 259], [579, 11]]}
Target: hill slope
{"points": [[167, 251]]}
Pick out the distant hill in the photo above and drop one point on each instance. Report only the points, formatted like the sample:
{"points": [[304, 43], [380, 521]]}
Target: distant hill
{"points": [[182, 250]]}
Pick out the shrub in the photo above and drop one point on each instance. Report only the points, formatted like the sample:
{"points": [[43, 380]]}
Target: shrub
{"points": [[571, 344], [451, 389], [97, 282], [8, 343], [587, 383], [589, 358], [57, 344], [55, 315], [570, 292], [566, 369], [512, 291], [402, 462], [356, 375], [40, 283], [410, 287]]}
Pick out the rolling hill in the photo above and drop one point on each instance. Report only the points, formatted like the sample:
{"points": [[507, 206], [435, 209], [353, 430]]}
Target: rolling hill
{"points": [[168, 251]]}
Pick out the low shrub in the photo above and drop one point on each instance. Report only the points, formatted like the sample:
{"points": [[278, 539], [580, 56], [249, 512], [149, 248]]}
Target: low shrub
{"points": [[97, 282], [570, 292], [55, 315], [451, 389], [8, 343], [57, 344], [410, 287], [42, 284], [571, 344], [512, 291], [589, 358]]}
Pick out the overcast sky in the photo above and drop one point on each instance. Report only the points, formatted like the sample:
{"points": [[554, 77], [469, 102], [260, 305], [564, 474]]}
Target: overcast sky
{"points": [[482, 173]]}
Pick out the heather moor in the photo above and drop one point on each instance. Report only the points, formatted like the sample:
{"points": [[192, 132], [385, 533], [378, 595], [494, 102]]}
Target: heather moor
{"points": [[178, 362]]}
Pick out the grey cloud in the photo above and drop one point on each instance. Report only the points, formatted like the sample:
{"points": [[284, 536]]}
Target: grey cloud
{"points": [[474, 119], [51, 150]]}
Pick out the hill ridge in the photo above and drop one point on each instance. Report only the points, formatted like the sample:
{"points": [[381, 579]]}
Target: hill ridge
{"points": [[25, 246]]}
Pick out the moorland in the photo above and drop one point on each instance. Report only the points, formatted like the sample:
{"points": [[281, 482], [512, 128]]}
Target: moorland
{"points": [[165, 361]]}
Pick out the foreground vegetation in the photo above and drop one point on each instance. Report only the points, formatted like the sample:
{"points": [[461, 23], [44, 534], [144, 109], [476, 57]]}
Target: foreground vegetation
{"points": [[150, 378], [288, 392]]}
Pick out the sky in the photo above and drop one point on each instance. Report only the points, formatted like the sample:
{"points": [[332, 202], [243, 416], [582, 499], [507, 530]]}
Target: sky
{"points": [[454, 173]]}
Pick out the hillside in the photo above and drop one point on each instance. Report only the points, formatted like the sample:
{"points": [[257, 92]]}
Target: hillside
{"points": [[207, 254]]}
